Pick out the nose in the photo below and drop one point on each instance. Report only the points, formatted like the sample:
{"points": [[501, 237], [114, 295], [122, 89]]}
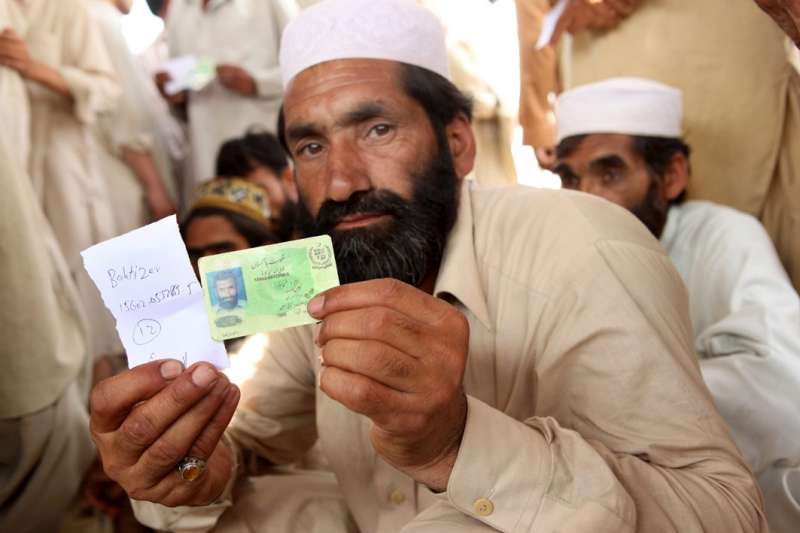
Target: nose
{"points": [[347, 173]]}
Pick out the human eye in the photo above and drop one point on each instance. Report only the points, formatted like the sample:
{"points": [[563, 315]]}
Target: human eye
{"points": [[610, 176], [379, 130], [309, 149]]}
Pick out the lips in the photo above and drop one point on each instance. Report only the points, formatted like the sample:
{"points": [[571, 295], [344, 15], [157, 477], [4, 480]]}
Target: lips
{"points": [[358, 220]]}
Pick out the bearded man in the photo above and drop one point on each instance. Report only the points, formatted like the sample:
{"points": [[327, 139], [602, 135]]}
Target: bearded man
{"points": [[621, 139], [496, 360]]}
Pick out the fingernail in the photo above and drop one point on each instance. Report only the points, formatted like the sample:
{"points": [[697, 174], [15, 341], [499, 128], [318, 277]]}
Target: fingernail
{"points": [[171, 369], [203, 376], [315, 305]]}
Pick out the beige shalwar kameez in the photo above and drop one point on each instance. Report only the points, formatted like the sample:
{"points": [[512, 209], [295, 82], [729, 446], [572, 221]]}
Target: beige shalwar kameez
{"points": [[586, 408], [62, 165], [44, 380]]}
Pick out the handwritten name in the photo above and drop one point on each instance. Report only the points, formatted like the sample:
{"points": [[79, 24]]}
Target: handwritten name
{"points": [[130, 273]]}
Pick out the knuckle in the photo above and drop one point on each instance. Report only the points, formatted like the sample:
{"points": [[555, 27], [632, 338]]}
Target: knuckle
{"points": [[112, 469], [361, 394], [164, 454], [140, 493], [391, 287], [396, 366], [138, 429], [206, 442], [100, 402]]}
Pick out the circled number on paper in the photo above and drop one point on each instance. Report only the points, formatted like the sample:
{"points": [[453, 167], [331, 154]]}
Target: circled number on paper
{"points": [[146, 331]]}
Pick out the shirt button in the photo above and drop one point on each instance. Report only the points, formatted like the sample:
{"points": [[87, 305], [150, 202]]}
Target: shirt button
{"points": [[483, 507], [397, 497]]}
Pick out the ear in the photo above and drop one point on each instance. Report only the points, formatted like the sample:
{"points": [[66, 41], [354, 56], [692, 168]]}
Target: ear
{"points": [[676, 178], [461, 140], [287, 178]]}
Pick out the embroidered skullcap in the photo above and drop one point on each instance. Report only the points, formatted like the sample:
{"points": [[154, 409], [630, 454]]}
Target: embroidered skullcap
{"points": [[237, 195]]}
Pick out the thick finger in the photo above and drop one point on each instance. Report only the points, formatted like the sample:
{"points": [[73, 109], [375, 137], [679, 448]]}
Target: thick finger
{"points": [[150, 420], [180, 440], [390, 293], [375, 360], [113, 398], [377, 324], [363, 395], [173, 491]]}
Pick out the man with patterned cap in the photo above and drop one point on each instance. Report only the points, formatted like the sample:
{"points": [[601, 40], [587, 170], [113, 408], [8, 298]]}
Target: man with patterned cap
{"points": [[621, 139], [229, 214], [495, 360]]}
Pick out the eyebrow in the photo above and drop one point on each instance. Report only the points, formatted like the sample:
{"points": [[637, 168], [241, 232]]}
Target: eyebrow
{"points": [[608, 161], [361, 113], [563, 169]]}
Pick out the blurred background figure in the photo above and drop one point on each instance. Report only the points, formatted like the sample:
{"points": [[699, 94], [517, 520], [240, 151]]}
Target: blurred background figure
{"points": [[170, 132], [493, 117], [138, 168], [242, 38], [621, 139], [45, 378], [741, 90], [538, 82], [71, 85], [259, 158]]}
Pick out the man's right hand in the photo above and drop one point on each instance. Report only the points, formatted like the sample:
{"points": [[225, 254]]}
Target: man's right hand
{"points": [[177, 99], [146, 420]]}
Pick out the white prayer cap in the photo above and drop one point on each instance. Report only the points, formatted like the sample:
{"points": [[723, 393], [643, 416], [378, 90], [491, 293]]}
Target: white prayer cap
{"points": [[397, 30], [633, 106]]}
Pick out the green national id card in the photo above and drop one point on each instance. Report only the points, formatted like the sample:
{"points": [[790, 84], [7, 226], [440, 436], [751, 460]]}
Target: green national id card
{"points": [[266, 288]]}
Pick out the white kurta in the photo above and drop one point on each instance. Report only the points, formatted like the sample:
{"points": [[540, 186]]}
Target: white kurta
{"points": [[746, 317], [62, 167], [122, 128], [245, 33]]}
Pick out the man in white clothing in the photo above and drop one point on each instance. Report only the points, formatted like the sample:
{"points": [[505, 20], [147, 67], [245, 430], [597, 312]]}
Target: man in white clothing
{"points": [[241, 37], [621, 139]]}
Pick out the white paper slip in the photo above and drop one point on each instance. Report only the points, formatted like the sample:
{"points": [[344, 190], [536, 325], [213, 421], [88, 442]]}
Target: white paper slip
{"points": [[187, 73], [147, 282], [549, 22]]}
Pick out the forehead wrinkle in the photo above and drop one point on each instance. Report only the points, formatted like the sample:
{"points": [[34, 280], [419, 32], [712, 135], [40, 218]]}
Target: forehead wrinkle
{"points": [[359, 113]]}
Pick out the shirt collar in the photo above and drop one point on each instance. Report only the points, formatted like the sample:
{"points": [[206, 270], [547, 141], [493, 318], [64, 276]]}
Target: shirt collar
{"points": [[458, 272]]}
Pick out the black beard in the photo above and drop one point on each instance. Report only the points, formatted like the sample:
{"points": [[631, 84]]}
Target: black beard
{"points": [[286, 224], [409, 245], [652, 211]]}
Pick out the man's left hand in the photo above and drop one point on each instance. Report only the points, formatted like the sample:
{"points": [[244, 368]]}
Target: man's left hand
{"points": [[14, 52], [236, 79], [397, 355]]}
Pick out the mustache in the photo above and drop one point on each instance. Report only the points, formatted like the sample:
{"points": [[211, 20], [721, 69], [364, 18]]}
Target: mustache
{"points": [[379, 201]]}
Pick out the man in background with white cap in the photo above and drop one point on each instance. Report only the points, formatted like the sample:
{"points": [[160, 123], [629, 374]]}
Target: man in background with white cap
{"points": [[621, 139], [495, 360]]}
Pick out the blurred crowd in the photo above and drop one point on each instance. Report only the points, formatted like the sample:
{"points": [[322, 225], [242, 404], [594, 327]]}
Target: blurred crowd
{"points": [[97, 141]]}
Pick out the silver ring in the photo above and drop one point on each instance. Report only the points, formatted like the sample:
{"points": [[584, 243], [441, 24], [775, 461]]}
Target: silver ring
{"points": [[190, 468]]}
